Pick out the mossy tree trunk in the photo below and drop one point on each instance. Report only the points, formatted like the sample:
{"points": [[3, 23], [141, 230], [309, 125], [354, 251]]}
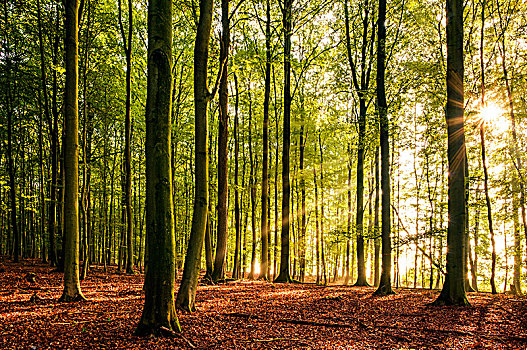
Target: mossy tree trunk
{"points": [[159, 308], [72, 290], [189, 282], [127, 46], [223, 140]]}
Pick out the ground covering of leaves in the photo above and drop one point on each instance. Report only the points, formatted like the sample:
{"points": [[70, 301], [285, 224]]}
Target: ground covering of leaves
{"points": [[249, 315]]}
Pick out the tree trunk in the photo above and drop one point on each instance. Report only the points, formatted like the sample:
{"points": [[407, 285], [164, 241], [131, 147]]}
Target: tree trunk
{"points": [[376, 229], [361, 86], [223, 140], [284, 275], [10, 161], [516, 285], [264, 262], [275, 251], [518, 186], [317, 228], [348, 227], [302, 230], [324, 272], [86, 154], [385, 286], [43, 77], [187, 290], [127, 45], [489, 210], [453, 292], [236, 273], [72, 291], [252, 187], [159, 308]]}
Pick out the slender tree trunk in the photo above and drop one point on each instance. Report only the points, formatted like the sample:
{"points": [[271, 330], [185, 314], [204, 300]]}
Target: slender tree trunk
{"points": [[348, 227], [322, 210], [489, 211], [10, 158], [86, 153], [302, 231], [252, 188], [72, 291], [284, 275], [223, 140], [275, 253], [187, 290], [264, 262], [361, 86], [385, 286], [43, 77], [127, 45], [483, 154], [209, 263], [377, 230], [236, 273], [317, 228], [518, 186]]}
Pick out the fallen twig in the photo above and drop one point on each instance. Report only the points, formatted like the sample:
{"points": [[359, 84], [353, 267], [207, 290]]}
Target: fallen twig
{"points": [[270, 340], [177, 335], [314, 323]]}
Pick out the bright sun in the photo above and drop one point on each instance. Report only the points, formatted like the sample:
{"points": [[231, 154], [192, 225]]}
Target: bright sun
{"points": [[493, 116]]}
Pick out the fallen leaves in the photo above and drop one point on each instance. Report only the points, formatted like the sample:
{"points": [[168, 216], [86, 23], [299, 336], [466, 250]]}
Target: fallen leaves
{"points": [[248, 315]]}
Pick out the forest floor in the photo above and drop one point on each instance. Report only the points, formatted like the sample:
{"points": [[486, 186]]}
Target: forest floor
{"points": [[249, 315]]}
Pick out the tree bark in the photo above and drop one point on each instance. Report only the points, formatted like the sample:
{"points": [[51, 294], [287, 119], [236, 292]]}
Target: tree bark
{"points": [[377, 242], [223, 140], [72, 291], [264, 262], [322, 252], [361, 88], [15, 250], [236, 273], [453, 292], [187, 290], [385, 286], [252, 189], [159, 308], [127, 45], [302, 228], [284, 275]]}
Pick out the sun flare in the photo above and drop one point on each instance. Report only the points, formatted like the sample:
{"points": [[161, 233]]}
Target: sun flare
{"points": [[493, 116]]}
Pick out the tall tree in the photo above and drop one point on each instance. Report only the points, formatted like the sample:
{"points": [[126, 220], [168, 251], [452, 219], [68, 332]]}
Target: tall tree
{"points": [[236, 270], [264, 263], [361, 85], [453, 292], [51, 253], [189, 282], [223, 140], [10, 157], [284, 275], [385, 283], [72, 289], [127, 46], [159, 308], [518, 201]]}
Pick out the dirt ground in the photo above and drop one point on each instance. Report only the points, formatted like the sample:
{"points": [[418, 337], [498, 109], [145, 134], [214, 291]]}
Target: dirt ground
{"points": [[249, 315]]}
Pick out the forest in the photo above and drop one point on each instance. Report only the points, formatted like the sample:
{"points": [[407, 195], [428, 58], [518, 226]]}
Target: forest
{"points": [[263, 174]]}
